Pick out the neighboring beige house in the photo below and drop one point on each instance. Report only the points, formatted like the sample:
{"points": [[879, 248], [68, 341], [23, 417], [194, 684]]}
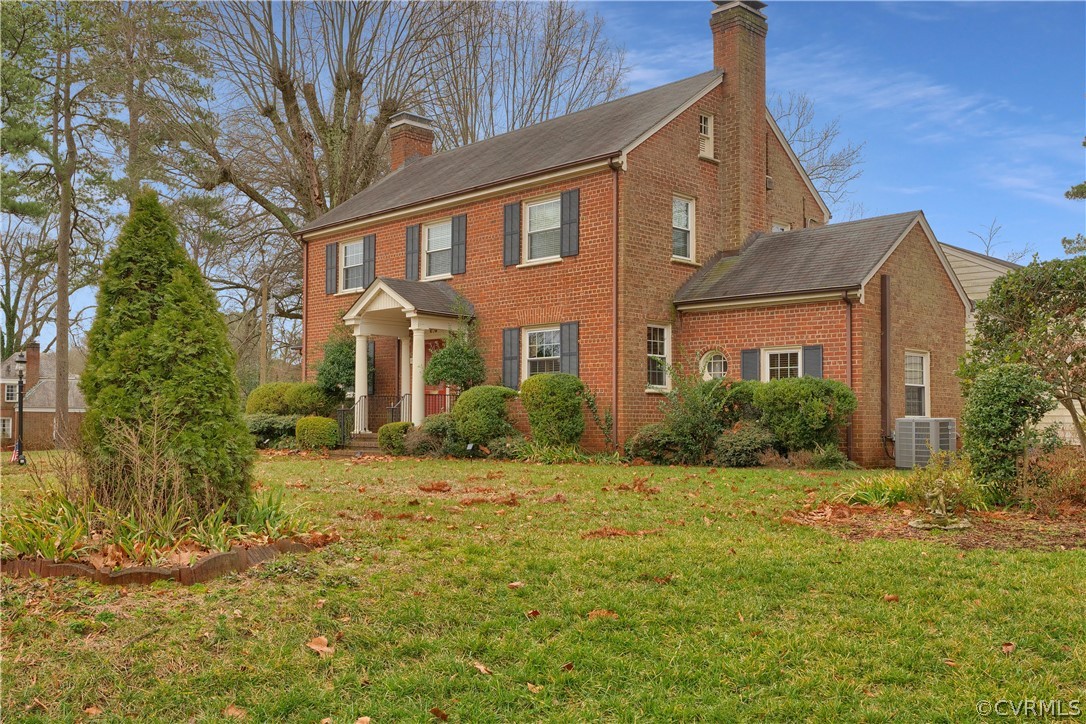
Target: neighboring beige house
{"points": [[976, 272]]}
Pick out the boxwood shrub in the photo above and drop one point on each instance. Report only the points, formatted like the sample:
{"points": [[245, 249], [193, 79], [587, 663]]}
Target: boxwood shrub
{"points": [[390, 437], [315, 432], [289, 398], [655, 443], [554, 404], [269, 399], [481, 415], [270, 429], [743, 445], [805, 413]]}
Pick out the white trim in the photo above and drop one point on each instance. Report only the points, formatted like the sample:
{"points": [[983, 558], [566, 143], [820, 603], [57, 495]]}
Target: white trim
{"points": [[784, 226], [540, 262], [799, 166], [424, 243], [13, 386], [763, 371], [666, 387], [669, 118], [454, 200], [691, 232], [525, 242], [524, 345], [766, 301], [926, 356], [703, 364], [710, 137], [938, 252], [342, 280], [372, 291]]}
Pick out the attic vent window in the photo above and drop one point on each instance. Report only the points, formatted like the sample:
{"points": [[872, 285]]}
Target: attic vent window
{"points": [[705, 136]]}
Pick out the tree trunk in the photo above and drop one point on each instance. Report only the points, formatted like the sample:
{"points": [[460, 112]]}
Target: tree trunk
{"points": [[264, 331], [1076, 421], [64, 169]]}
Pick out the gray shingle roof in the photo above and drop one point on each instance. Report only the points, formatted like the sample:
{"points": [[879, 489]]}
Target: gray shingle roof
{"points": [[430, 297], [43, 396], [821, 258], [594, 133]]}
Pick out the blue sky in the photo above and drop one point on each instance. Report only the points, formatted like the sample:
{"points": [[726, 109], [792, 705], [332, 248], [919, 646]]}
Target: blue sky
{"points": [[970, 111]]}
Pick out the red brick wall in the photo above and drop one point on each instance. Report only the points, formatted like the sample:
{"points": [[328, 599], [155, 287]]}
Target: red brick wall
{"points": [[790, 201], [39, 428], [926, 315], [407, 141]]}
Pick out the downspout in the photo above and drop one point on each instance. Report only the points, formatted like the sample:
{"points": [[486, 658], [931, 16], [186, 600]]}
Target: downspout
{"points": [[848, 364], [887, 430], [614, 302]]}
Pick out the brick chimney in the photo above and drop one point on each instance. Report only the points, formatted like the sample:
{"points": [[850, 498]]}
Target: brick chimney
{"points": [[33, 364], [410, 137], [739, 30]]}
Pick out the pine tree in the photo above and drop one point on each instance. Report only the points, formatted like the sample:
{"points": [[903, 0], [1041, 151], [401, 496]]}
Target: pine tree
{"points": [[159, 359]]}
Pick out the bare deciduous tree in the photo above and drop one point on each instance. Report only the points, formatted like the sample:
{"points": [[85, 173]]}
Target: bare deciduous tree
{"points": [[988, 236], [831, 164]]}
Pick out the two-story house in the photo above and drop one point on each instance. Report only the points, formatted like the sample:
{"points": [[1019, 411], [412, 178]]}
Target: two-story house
{"points": [[670, 226]]}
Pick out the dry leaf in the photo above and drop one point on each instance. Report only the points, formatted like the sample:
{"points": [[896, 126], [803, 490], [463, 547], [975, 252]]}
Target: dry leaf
{"points": [[320, 603], [601, 613], [741, 619], [1008, 647], [517, 584], [362, 720], [92, 711], [891, 598], [439, 714], [320, 645], [532, 614], [950, 662], [482, 668], [234, 711], [326, 720], [534, 688], [568, 666]]}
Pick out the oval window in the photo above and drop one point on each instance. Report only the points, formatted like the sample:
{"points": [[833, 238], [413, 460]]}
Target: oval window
{"points": [[714, 366]]}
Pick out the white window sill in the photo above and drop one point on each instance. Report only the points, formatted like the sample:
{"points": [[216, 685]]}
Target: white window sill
{"points": [[710, 159], [657, 390], [347, 292], [540, 262], [437, 278], [683, 260]]}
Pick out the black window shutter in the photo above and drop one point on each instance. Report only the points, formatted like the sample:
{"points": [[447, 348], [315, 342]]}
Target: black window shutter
{"points": [[569, 359], [512, 234], [751, 359], [571, 222], [812, 361], [459, 244], [369, 259], [411, 270], [331, 268], [511, 357]]}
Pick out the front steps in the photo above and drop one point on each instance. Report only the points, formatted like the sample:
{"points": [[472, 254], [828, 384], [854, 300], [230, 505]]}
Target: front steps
{"points": [[364, 442]]}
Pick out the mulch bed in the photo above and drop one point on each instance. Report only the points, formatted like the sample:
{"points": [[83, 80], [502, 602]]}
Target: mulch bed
{"points": [[995, 529], [212, 565]]}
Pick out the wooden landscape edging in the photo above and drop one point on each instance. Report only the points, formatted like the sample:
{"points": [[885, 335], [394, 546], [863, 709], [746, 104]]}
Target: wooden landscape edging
{"points": [[235, 560]]}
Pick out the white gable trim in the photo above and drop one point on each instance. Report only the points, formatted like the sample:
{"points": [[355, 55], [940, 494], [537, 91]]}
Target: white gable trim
{"points": [[799, 167], [669, 118], [920, 219], [377, 288]]}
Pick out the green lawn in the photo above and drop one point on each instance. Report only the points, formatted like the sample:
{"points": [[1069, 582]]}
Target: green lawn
{"points": [[723, 612]]}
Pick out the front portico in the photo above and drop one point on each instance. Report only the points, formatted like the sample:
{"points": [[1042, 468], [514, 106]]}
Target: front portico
{"points": [[413, 313]]}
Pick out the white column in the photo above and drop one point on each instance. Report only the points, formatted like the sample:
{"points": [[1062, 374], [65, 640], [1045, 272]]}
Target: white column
{"points": [[405, 365], [361, 381], [418, 363]]}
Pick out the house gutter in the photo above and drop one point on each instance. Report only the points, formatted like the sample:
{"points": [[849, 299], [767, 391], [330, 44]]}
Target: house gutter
{"points": [[614, 298]]}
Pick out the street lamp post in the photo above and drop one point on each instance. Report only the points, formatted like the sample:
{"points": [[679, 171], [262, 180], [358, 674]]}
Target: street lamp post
{"points": [[20, 366]]}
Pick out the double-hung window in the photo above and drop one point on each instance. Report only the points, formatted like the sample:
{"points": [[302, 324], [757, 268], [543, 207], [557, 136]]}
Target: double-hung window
{"points": [[5, 427], [782, 364], [438, 249], [354, 257], [659, 355], [544, 350], [916, 384], [544, 226], [682, 228], [705, 136], [11, 393]]}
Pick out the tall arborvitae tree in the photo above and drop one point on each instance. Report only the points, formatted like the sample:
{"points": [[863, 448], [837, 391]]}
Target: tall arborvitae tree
{"points": [[159, 358]]}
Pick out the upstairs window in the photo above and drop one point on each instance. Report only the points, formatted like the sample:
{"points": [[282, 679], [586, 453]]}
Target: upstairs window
{"points": [[438, 249], [544, 350], [916, 384], [544, 224], [779, 226], [11, 393], [682, 228], [354, 256], [705, 136]]}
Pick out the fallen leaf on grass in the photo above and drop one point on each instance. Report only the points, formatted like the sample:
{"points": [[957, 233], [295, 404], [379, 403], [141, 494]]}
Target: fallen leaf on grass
{"points": [[534, 688], [517, 584], [320, 645], [92, 711], [234, 711], [556, 498], [609, 532], [950, 662], [1008, 648], [362, 720], [439, 714], [891, 598], [568, 666], [532, 614], [320, 603], [482, 668], [439, 486], [601, 613]]}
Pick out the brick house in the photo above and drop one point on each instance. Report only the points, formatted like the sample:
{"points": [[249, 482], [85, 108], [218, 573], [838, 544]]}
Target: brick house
{"points": [[39, 399], [671, 226]]}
